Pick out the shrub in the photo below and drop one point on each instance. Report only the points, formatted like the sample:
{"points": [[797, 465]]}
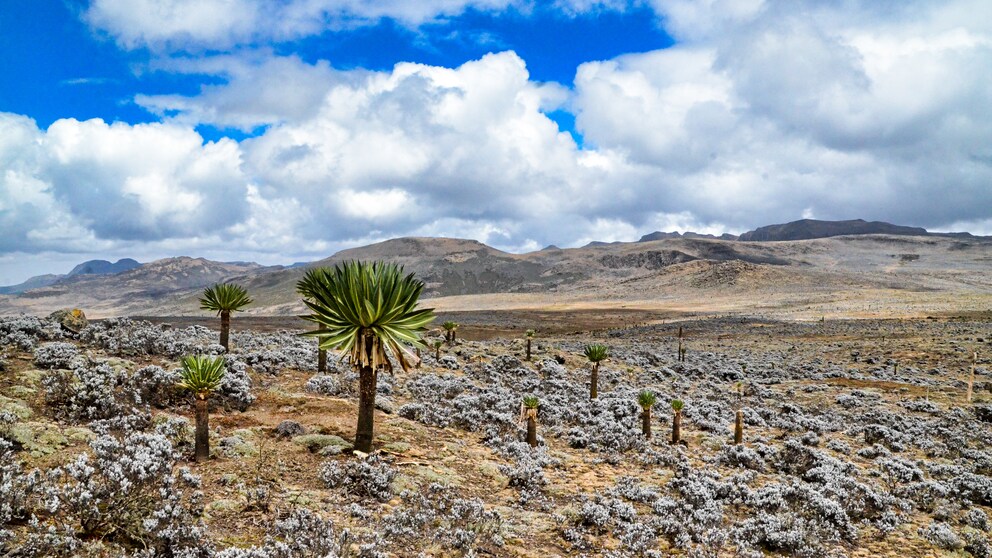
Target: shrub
{"points": [[371, 477], [89, 393], [16, 488], [55, 355], [127, 492], [436, 514], [976, 519], [158, 387], [940, 535], [324, 384], [302, 533]]}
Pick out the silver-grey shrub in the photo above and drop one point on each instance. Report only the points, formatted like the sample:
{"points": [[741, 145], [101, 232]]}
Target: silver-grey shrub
{"points": [[57, 354]]}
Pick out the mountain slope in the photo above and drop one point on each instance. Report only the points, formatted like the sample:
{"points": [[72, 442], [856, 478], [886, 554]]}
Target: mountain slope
{"points": [[35, 282]]}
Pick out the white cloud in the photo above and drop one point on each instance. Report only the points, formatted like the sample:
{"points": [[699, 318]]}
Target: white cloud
{"points": [[175, 25], [774, 108], [143, 182], [259, 89]]}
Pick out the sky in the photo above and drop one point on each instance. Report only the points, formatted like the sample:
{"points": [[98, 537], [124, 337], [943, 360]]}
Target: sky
{"points": [[280, 131]]}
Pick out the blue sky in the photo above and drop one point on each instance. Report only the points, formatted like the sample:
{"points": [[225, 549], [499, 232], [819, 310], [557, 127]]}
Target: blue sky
{"points": [[285, 130], [65, 69]]}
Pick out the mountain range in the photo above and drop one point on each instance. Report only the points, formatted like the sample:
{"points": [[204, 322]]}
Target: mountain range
{"points": [[845, 266], [91, 267]]}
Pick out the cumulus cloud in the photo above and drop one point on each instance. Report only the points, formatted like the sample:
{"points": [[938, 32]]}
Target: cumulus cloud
{"points": [[143, 182], [771, 108], [165, 25], [259, 89]]}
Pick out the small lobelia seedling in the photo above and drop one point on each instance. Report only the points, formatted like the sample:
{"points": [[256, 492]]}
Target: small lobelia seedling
{"points": [[529, 334], [646, 399], [677, 406], [437, 349], [449, 331], [202, 375], [529, 411], [739, 415]]}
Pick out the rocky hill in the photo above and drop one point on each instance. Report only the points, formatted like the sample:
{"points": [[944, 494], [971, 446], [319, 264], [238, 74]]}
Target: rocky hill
{"points": [[103, 267], [807, 229]]}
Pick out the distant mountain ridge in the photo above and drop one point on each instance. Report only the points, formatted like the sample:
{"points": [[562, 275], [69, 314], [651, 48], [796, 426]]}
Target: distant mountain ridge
{"points": [[851, 254], [91, 267], [809, 229], [103, 267], [658, 235]]}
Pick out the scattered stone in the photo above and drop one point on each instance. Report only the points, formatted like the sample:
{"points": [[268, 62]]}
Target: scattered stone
{"points": [[385, 405], [289, 429], [317, 442]]}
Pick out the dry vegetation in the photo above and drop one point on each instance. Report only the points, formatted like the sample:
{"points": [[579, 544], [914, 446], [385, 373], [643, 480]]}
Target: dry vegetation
{"points": [[858, 442]]}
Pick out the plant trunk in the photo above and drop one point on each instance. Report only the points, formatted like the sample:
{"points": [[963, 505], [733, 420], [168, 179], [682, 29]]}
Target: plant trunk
{"points": [[971, 381], [528, 349], [739, 428], [225, 329], [594, 381], [532, 431], [366, 409], [646, 423], [418, 358], [437, 353], [321, 360], [202, 437], [676, 427]]}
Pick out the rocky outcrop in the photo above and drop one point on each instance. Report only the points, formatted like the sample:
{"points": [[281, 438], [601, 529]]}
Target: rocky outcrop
{"points": [[654, 259]]}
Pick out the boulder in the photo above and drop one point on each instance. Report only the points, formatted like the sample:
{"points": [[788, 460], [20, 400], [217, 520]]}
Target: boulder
{"points": [[73, 319]]}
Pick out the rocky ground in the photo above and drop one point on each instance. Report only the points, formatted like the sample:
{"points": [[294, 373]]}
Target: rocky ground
{"points": [[858, 441]]}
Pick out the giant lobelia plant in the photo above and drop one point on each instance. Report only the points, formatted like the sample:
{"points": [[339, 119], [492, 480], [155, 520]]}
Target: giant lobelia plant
{"points": [[225, 298], [368, 312]]}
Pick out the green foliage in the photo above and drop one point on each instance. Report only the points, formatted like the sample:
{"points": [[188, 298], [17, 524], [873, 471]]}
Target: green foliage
{"points": [[646, 399], [363, 309], [450, 326], [201, 374], [438, 343], [596, 352], [531, 401], [678, 405], [530, 333], [225, 297], [311, 279]]}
